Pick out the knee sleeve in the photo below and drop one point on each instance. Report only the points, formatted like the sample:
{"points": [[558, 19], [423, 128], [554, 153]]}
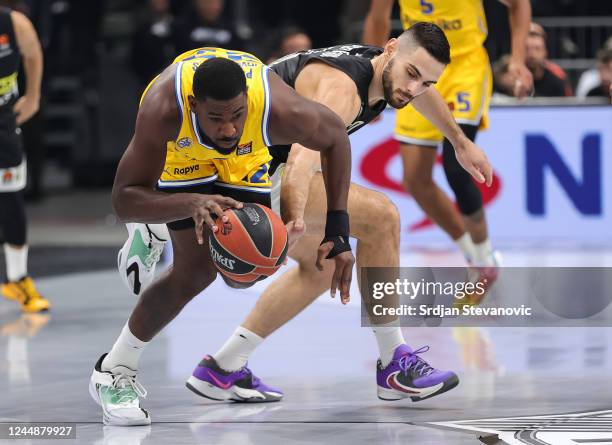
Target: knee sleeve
{"points": [[12, 218], [466, 192]]}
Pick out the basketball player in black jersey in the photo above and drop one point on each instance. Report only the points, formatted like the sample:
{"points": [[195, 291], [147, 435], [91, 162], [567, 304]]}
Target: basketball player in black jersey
{"points": [[357, 82], [18, 42]]}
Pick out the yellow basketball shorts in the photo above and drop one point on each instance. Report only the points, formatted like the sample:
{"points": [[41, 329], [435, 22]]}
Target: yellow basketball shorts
{"points": [[466, 86]]}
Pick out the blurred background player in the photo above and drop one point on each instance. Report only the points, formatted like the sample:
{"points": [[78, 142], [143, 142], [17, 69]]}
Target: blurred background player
{"points": [[466, 86], [18, 41]]}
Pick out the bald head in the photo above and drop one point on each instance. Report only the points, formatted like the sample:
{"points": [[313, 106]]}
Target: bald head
{"points": [[427, 36]]}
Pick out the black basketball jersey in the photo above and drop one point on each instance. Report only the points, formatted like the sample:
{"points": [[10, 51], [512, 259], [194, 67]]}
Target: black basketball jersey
{"points": [[9, 61], [354, 60]]}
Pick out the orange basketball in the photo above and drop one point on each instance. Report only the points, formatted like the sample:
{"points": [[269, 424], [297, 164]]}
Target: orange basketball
{"points": [[251, 246]]}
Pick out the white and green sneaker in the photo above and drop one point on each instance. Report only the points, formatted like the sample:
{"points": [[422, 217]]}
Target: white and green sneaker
{"points": [[118, 392], [140, 254]]}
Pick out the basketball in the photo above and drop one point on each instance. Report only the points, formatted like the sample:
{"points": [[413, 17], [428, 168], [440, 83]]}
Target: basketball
{"points": [[251, 246]]}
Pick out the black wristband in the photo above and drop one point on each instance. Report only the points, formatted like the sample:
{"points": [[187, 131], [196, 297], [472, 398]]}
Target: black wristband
{"points": [[337, 224]]}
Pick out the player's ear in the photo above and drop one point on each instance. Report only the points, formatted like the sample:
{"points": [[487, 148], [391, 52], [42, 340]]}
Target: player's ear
{"points": [[391, 47]]}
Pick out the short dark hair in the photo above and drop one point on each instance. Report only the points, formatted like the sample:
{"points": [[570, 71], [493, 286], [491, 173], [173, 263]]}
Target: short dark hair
{"points": [[218, 78], [430, 37]]}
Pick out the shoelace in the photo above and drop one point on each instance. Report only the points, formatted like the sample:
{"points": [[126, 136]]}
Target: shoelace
{"points": [[153, 256], [412, 360], [125, 384]]}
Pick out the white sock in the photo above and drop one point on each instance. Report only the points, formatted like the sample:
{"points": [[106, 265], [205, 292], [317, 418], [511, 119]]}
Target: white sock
{"points": [[16, 262], [235, 353], [388, 336], [466, 245], [483, 253], [125, 352]]}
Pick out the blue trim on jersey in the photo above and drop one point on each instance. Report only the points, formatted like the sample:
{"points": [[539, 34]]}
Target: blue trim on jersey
{"points": [[266, 117], [256, 178], [178, 88]]}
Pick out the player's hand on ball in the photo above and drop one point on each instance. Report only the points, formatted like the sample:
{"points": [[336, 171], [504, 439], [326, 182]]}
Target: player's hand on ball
{"points": [[207, 208], [343, 273], [474, 161]]}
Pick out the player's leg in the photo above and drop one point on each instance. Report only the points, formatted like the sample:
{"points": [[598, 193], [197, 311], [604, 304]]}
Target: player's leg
{"points": [[113, 382], [419, 140], [297, 288], [13, 227], [469, 92], [239, 384]]}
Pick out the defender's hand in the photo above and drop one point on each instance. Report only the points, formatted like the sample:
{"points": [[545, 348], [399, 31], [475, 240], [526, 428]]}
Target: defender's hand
{"points": [[523, 79], [25, 108], [344, 268], [209, 207], [474, 161]]}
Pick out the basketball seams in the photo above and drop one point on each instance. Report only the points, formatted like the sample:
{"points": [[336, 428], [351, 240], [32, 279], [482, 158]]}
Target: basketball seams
{"points": [[250, 240]]}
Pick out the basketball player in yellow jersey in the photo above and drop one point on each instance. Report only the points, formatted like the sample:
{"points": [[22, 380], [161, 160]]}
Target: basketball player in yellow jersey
{"points": [[200, 147], [466, 86]]}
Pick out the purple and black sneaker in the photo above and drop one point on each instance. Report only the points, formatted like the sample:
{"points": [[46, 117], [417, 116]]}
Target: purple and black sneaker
{"points": [[408, 375], [210, 381]]}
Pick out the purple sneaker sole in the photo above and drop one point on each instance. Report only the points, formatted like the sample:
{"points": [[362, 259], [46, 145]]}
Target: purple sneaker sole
{"points": [[419, 394]]}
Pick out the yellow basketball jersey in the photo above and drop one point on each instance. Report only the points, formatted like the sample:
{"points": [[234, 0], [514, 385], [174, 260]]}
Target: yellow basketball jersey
{"points": [[189, 160], [463, 21]]}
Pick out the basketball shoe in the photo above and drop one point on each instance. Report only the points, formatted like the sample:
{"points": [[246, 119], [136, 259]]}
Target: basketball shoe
{"points": [[210, 381], [409, 376], [484, 276], [140, 254], [118, 392], [24, 291]]}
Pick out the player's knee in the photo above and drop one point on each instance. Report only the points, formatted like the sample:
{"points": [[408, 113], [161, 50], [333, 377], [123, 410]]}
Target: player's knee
{"points": [[382, 218], [187, 286]]}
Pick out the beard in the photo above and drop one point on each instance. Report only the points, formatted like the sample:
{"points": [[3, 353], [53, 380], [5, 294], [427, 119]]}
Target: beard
{"points": [[388, 88]]}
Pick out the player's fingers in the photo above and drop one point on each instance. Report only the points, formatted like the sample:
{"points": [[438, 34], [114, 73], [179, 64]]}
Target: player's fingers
{"points": [[322, 252], [345, 283], [336, 278], [229, 203], [216, 209], [488, 173], [199, 229], [475, 172], [210, 222]]}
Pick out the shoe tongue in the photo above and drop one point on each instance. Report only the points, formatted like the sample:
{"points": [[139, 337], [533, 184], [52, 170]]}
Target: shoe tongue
{"points": [[401, 350]]}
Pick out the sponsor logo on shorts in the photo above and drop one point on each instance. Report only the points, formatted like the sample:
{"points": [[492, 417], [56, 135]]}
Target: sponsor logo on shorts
{"points": [[184, 143], [252, 215], [244, 149], [217, 257], [186, 170]]}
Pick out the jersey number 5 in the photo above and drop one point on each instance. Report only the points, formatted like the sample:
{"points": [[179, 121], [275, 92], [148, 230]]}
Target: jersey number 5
{"points": [[426, 7], [464, 101]]}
